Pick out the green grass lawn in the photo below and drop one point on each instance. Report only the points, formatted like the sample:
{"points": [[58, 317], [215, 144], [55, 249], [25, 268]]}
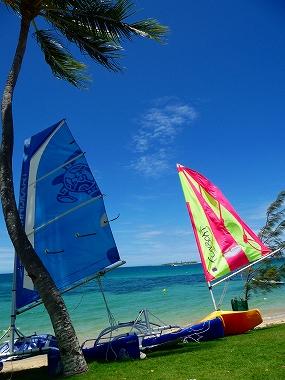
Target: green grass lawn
{"points": [[257, 355]]}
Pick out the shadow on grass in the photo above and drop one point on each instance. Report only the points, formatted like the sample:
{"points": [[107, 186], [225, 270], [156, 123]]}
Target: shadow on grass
{"points": [[27, 374], [183, 348]]}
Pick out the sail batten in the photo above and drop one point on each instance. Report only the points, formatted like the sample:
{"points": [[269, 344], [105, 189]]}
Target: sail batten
{"points": [[75, 285], [59, 197], [56, 169], [83, 204], [224, 241]]}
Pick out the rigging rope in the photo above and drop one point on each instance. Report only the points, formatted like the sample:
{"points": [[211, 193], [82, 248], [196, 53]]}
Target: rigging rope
{"points": [[221, 300], [248, 240], [111, 318], [84, 289]]}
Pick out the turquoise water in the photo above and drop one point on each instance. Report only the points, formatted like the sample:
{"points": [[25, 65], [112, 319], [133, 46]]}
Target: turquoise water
{"points": [[177, 295]]}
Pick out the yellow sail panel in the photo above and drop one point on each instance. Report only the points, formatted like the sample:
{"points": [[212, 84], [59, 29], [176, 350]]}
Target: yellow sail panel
{"points": [[213, 261]]}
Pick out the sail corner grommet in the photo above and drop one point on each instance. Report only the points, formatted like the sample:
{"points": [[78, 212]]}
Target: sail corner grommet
{"points": [[78, 235], [53, 252]]}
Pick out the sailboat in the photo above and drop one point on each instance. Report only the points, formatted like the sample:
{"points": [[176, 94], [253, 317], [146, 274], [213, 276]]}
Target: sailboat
{"points": [[226, 244], [62, 211], [57, 193]]}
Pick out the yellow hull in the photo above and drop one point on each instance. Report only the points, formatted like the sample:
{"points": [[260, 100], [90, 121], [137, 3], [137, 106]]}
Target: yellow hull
{"points": [[237, 322]]}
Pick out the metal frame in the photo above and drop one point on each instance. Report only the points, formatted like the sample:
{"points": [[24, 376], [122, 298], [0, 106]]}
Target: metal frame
{"points": [[141, 325], [24, 354], [12, 329], [101, 273], [211, 285]]}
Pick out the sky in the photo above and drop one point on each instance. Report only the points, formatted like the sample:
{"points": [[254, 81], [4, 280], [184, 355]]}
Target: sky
{"points": [[211, 98]]}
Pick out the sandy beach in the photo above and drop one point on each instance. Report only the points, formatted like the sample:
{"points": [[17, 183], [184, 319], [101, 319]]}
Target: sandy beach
{"points": [[19, 365], [41, 361], [271, 320]]}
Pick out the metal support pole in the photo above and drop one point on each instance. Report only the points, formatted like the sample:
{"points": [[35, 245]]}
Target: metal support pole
{"points": [[146, 316], [212, 295], [247, 266], [13, 307]]}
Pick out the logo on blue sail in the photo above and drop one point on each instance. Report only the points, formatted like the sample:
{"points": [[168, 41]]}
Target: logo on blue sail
{"points": [[76, 179]]}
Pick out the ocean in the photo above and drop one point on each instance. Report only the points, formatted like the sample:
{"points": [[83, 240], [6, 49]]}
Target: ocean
{"points": [[176, 295]]}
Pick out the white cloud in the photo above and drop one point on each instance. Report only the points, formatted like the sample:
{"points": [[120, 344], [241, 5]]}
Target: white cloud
{"points": [[152, 244], [182, 232], [152, 164], [152, 234], [158, 128], [149, 234], [145, 197], [254, 215], [159, 252], [258, 214], [161, 125]]}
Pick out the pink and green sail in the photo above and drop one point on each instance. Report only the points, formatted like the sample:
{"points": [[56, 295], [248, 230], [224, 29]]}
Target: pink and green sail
{"points": [[224, 241]]}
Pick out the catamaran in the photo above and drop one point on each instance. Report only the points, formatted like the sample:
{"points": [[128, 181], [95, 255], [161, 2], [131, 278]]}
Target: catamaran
{"points": [[62, 210], [225, 243], [57, 193]]}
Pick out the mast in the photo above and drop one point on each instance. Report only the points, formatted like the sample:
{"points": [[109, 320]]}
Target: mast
{"points": [[12, 329], [13, 307], [210, 287]]}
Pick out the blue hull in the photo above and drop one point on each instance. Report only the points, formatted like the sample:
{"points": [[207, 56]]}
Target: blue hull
{"points": [[208, 330], [124, 347]]}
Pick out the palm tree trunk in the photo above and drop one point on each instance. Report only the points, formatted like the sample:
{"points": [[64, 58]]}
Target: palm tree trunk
{"points": [[71, 354]]}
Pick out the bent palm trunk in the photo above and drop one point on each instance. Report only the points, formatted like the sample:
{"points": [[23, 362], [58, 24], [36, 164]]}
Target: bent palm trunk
{"points": [[71, 354]]}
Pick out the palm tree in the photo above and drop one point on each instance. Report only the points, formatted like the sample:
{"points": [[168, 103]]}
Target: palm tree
{"points": [[269, 275], [97, 28]]}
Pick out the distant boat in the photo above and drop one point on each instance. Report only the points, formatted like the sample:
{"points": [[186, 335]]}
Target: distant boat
{"points": [[182, 263], [273, 282]]}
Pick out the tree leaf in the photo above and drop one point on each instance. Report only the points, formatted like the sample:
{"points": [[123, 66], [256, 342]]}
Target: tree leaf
{"points": [[61, 62], [98, 27]]}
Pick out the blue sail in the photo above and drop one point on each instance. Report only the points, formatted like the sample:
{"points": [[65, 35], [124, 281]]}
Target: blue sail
{"points": [[62, 210]]}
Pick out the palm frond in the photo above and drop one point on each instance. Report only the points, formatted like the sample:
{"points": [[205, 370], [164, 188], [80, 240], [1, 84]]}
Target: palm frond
{"points": [[277, 203], [274, 219], [12, 4], [267, 276], [101, 48], [61, 62], [149, 28], [97, 27], [273, 229], [102, 17], [275, 222], [25, 8], [279, 230]]}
